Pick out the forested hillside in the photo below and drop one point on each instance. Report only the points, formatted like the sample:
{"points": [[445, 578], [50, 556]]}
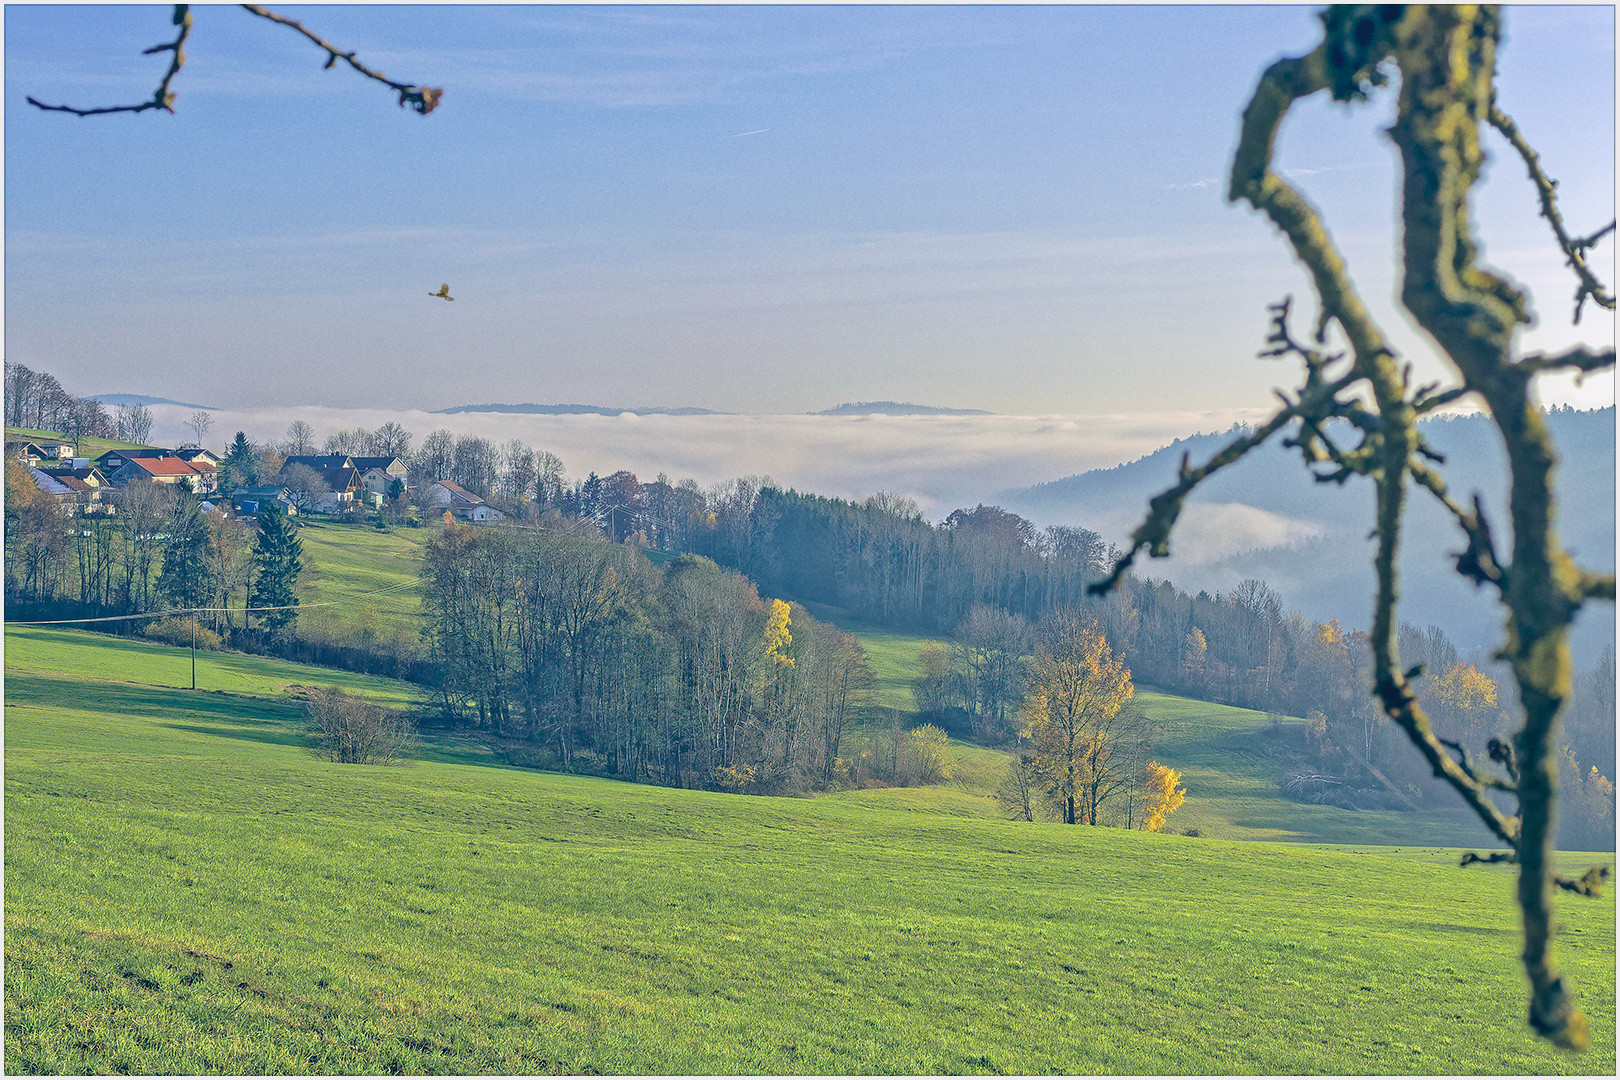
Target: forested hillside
{"points": [[1265, 518]]}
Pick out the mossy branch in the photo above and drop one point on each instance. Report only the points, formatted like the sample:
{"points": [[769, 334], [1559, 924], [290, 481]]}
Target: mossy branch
{"points": [[1446, 59]]}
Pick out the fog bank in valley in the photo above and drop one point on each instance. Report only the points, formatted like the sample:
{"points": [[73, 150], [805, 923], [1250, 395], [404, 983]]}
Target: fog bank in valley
{"points": [[944, 462]]}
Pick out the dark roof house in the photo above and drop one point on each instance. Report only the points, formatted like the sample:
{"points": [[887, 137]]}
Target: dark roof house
{"points": [[320, 461]]}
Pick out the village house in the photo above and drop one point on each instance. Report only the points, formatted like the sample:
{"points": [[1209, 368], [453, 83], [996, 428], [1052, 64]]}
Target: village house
{"points": [[463, 504], [80, 469], [30, 454], [113, 460], [195, 454], [345, 484], [202, 476], [379, 473]]}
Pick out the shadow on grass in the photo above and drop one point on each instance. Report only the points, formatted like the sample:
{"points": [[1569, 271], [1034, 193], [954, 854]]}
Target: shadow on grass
{"points": [[279, 736], [160, 702], [214, 713]]}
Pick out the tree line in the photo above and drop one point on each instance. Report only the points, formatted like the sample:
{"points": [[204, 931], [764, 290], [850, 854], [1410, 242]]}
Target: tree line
{"points": [[980, 581], [36, 400], [557, 639]]}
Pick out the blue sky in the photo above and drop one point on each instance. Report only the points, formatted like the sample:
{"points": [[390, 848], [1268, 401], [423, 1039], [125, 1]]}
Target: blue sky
{"points": [[752, 209]]}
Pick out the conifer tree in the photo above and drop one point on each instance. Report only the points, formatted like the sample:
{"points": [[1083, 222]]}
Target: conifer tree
{"points": [[276, 567], [187, 577], [241, 465]]}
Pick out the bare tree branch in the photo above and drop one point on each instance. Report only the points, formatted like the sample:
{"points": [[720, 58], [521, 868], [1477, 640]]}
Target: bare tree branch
{"points": [[1574, 249], [424, 99], [163, 97], [1579, 358]]}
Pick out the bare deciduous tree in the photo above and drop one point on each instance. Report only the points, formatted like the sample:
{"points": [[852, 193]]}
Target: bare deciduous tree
{"points": [[200, 424], [353, 731], [1445, 57]]}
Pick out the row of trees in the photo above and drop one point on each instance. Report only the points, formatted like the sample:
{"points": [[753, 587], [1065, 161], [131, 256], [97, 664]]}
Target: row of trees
{"points": [[557, 638], [1347, 752], [160, 549], [36, 400]]}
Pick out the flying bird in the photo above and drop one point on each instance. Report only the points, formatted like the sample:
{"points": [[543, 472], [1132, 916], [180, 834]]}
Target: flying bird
{"points": [[443, 293]]}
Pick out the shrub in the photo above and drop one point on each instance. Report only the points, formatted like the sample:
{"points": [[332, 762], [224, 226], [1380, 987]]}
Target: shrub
{"points": [[928, 758], [353, 731], [178, 631]]}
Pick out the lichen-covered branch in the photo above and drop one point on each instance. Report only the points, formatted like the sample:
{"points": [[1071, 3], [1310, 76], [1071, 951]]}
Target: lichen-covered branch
{"points": [[1577, 359], [1446, 60], [424, 99], [163, 97]]}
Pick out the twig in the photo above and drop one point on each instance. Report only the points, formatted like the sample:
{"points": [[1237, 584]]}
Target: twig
{"points": [[1574, 249], [163, 97], [424, 99]]}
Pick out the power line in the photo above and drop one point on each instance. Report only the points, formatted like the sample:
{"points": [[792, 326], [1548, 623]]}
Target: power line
{"points": [[210, 610]]}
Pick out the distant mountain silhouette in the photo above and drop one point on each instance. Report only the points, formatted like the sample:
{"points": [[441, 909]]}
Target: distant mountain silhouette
{"points": [[894, 408], [1266, 518], [577, 410], [142, 399]]}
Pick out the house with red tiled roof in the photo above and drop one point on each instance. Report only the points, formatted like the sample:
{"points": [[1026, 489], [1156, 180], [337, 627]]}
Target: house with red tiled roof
{"points": [[92, 476], [167, 470]]}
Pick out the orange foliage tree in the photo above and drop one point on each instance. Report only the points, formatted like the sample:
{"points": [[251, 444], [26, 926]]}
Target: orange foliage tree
{"points": [[1161, 797]]}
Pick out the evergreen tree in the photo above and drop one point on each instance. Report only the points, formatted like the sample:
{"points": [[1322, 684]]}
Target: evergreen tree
{"points": [[276, 567], [241, 465], [187, 577]]}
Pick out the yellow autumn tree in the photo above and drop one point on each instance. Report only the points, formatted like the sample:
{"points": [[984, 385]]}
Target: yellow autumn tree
{"points": [[776, 683], [1467, 689], [1160, 796], [1073, 713], [777, 638]]}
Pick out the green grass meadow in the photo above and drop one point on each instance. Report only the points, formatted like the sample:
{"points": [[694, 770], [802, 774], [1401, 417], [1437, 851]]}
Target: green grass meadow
{"points": [[188, 891], [359, 584]]}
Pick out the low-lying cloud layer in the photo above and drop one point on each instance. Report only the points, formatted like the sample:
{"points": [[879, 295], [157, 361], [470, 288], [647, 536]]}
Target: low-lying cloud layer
{"points": [[944, 462]]}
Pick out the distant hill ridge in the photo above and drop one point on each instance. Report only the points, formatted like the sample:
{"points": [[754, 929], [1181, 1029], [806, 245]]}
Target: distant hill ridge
{"points": [[895, 408], [143, 399], [1265, 517]]}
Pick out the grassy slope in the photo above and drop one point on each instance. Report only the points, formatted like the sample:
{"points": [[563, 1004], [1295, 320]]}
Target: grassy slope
{"points": [[349, 568], [188, 892], [1221, 751], [91, 447]]}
